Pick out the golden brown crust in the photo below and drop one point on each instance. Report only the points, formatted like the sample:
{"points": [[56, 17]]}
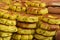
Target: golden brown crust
{"points": [[8, 14], [51, 19], [26, 25], [45, 32], [4, 5], [54, 10], [23, 17], [5, 34], [41, 37], [47, 26], [32, 10], [22, 37], [8, 28], [51, 2], [25, 31]]}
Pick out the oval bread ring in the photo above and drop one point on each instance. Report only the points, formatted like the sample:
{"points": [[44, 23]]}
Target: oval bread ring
{"points": [[6, 38], [25, 31], [47, 26], [8, 28], [54, 4], [32, 10], [26, 25], [7, 22], [51, 18], [23, 17], [8, 14], [40, 37], [50, 38], [5, 34], [45, 32], [18, 36], [54, 10]]}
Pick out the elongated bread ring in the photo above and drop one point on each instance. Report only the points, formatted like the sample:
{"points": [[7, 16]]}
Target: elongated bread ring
{"points": [[40, 37], [25, 31], [8, 14], [45, 33], [51, 18], [32, 10], [5, 34], [8, 28], [21, 37], [16, 36], [47, 26], [27, 18], [50, 38], [26, 25], [54, 10], [5, 38], [7, 22]]}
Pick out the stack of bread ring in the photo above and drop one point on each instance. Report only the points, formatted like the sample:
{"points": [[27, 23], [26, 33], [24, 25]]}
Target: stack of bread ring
{"points": [[21, 13], [47, 27], [7, 22], [54, 10], [29, 12], [49, 24]]}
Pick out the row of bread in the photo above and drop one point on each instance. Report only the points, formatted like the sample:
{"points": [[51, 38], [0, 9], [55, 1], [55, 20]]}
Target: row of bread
{"points": [[21, 7], [20, 16]]}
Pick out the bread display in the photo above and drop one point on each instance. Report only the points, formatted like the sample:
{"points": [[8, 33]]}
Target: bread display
{"points": [[27, 20]]}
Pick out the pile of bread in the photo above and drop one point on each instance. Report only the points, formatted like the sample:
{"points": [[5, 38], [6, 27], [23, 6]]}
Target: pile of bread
{"points": [[27, 20]]}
